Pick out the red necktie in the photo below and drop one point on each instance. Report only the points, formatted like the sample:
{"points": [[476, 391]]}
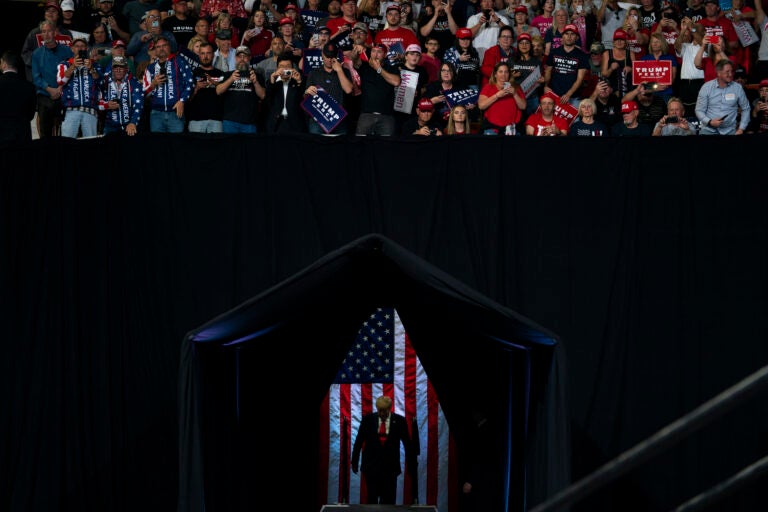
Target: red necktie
{"points": [[383, 432]]}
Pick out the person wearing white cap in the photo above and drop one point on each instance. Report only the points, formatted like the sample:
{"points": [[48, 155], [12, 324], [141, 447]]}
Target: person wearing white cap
{"points": [[72, 21], [411, 63]]}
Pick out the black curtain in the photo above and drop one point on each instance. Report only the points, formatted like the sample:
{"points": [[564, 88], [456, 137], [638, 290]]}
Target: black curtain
{"points": [[647, 256]]}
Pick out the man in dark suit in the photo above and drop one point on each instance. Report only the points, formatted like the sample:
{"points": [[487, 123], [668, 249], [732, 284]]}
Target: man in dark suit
{"points": [[18, 101], [379, 436], [284, 96]]}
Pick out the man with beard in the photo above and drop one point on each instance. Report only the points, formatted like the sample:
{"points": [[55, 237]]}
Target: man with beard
{"points": [[242, 93], [567, 66], [168, 85], [204, 112]]}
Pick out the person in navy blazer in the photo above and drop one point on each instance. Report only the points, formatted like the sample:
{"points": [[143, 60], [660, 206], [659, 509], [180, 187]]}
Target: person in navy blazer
{"points": [[381, 453]]}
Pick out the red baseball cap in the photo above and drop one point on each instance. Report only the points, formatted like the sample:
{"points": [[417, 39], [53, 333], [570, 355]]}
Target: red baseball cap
{"points": [[521, 8], [425, 105], [524, 36], [118, 42], [570, 28], [463, 33], [287, 21], [619, 34], [381, 46], [763, 83], [628, 106]]}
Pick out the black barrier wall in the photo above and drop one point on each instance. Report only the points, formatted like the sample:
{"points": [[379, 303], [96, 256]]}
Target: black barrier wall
{"points": [[647, 256]]}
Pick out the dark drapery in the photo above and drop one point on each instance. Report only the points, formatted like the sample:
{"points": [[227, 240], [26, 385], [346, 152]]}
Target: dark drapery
{"points": [[648, 258]]}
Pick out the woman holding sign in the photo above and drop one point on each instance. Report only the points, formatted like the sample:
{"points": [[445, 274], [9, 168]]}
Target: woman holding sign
{"points": [[501, 101], [658, 51]]}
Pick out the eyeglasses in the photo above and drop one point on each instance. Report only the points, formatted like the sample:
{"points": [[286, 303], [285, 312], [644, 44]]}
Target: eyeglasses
{"points": [[505, 37]]}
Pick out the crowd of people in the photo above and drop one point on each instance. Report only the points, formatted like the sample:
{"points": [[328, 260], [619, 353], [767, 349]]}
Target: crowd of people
{"points": [[442, 67]]}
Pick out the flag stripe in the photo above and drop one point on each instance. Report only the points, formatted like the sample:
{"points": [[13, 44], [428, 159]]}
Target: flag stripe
{"points": [[413, 397]]}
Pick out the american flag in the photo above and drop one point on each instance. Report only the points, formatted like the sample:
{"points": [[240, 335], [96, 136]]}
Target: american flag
{"points": [[381, 361]]}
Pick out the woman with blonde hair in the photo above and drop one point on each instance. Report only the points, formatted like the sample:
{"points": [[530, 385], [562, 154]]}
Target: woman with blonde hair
{"points": [[194, 43], [458, 122], [585, 124], [658, 50]]}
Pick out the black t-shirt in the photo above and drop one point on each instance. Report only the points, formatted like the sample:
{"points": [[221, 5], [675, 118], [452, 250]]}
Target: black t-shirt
{"points": [[182, 30], [412, 124], [241, 104], [206, 104], [377, 94], [440, 31]]}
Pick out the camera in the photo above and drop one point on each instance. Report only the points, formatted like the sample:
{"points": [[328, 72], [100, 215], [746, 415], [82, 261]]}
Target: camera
{"points": [[287, 73], [672, 120], [650, 86], [244, 72]]}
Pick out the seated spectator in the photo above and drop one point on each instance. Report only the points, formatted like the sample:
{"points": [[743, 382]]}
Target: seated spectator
{"points": [[630, 127], [544, 122], [585, 125], [458, 122], [651, 106], [607, 104], [424, 122], [674, 122]]}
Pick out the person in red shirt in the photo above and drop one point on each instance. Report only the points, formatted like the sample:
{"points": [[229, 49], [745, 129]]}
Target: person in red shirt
{"points": [[544, 122], [394, 33], [717, 25], [503, 51], [502, 102]]}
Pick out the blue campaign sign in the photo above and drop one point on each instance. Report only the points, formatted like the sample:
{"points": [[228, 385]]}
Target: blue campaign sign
{"points": [[313, 59], [463, 97], [324, 109]]}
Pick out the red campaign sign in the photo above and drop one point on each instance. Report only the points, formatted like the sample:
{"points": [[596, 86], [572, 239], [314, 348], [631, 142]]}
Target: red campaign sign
{"points": [[60, 38], [566, 110], [658, 71]]}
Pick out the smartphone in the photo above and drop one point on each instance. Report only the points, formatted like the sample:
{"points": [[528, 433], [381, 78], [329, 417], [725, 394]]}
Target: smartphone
{"points": [[161, 71], [82, 54], [672, 120]]}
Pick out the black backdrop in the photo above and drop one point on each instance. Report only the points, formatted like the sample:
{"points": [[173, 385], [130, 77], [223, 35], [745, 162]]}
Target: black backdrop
{"points": [[648, 258]]}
